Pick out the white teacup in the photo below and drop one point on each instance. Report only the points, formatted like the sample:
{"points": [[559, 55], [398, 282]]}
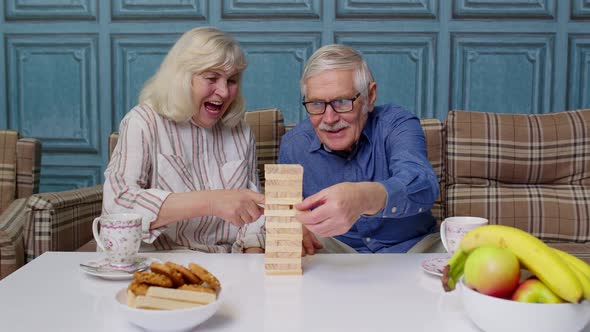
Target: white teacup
{"points": [[119, 238], [453, 229]]}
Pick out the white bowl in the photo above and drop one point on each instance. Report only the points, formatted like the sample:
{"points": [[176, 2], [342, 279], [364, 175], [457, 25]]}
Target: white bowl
{"points": [[494, 314], [166, 320]]}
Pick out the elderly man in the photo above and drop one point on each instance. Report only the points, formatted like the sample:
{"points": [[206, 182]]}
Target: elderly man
{"points": [[367, 181]]}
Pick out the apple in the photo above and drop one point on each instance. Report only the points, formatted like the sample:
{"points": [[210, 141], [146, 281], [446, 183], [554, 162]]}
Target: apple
{"points": [[492, 271], [534, 290]]}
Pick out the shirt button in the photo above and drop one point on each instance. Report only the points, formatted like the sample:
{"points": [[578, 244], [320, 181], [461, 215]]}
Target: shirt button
{"points": [[394, 210], [368, 239], [420, 210]]}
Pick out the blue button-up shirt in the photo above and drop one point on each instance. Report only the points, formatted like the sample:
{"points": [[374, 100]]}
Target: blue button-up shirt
{"points": [[392, 151]]}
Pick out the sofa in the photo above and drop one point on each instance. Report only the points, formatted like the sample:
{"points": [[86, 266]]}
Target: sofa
{"points": [[526, 171], [531, 172], [20, 165]]}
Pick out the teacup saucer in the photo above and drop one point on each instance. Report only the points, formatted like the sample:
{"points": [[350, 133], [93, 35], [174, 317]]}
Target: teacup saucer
{"points": [[103, 269], [435, 265]]}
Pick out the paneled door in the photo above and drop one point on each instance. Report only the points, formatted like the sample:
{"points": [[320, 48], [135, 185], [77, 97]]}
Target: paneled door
{"points": [[73, 68]]}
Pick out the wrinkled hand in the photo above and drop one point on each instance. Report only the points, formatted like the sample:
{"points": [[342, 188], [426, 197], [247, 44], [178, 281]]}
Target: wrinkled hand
{"points": [[238, 206], [335, 209], [310, 243]]}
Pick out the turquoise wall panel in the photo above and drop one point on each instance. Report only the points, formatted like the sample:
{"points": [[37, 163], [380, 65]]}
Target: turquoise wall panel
{"points": [[260, 9], [51, 10], [136, 58], [402, 65], [579, 72], [73, 69], [502, 73], [60, 178], [522, 9], [275, 62], [158, 9], [53, 90]]}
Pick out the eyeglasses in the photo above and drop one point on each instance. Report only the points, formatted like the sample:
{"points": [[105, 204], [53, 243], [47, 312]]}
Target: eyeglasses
{"points": [[338, 105]]}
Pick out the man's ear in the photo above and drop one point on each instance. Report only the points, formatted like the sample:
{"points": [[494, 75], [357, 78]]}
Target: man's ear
{"points": [[372, 95]]}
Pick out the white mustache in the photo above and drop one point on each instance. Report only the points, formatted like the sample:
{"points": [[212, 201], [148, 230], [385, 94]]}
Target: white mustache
{"points": [[335, 127]]}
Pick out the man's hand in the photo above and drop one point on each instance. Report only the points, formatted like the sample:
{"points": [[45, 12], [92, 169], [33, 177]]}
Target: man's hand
{"points": [[310, 243], [337, 208]]}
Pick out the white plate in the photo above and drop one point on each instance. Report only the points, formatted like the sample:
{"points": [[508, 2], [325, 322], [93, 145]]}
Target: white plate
{"points": [[435, 265], [141, 263], [166, 320]]}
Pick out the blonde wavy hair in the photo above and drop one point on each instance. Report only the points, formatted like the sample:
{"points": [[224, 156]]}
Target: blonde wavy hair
{"points": [[198, 50]]}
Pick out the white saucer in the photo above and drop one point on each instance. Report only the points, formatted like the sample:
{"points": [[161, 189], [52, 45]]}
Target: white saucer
{"points": [[119, 273], [435, 265]]}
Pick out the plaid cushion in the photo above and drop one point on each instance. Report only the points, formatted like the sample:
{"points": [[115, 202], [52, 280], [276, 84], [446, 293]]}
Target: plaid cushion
{"points": [[527, 171], [11, 237], [484, 148], [60, 221], [8, 140], [268, 128], [434, 134], [28, 166]]}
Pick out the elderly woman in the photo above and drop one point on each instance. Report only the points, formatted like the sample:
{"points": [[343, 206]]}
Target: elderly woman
{"points": [[186, 159]]}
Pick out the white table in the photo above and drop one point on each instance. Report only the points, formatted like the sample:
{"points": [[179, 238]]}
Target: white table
{"points": [[351, 292]]}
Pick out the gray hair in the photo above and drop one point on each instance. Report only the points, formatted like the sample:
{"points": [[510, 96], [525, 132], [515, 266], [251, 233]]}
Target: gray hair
{"points": [[198, 50], [338, 57]]}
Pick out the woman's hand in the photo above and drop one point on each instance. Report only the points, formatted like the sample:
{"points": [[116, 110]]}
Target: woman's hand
{"points": [[238, 206]]}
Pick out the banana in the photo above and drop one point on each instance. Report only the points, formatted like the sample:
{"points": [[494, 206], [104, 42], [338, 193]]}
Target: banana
{"points": [[453, 270], [532, 253], [574, 261], [580, 269]]}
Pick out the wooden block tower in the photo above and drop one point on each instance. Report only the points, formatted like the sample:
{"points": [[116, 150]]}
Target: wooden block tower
{"points": [[283, 189]]}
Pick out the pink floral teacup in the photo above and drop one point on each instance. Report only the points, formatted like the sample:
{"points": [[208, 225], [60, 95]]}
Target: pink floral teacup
{"points": [[119, 237], [452, 230]]}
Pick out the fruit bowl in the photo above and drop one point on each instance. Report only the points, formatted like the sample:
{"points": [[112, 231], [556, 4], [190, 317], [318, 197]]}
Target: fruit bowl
{"points": [[495, 314]]}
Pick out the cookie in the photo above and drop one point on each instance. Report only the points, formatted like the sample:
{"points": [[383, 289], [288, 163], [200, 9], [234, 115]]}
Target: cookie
{"points": [[188, 276], [138, 288], [173, 274], [197, 288], [205, 275], [152, 278]]}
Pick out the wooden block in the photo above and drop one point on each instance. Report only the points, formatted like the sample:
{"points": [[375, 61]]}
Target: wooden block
{"points": [[285, 254], [277, 251], [284, 169], [280, 220], [282, 260], [274, 183], [282, 200], [284, 188], [280, 213], [283, 225], [282, 236], [283, 272], [280, 242], [274, 231]]}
